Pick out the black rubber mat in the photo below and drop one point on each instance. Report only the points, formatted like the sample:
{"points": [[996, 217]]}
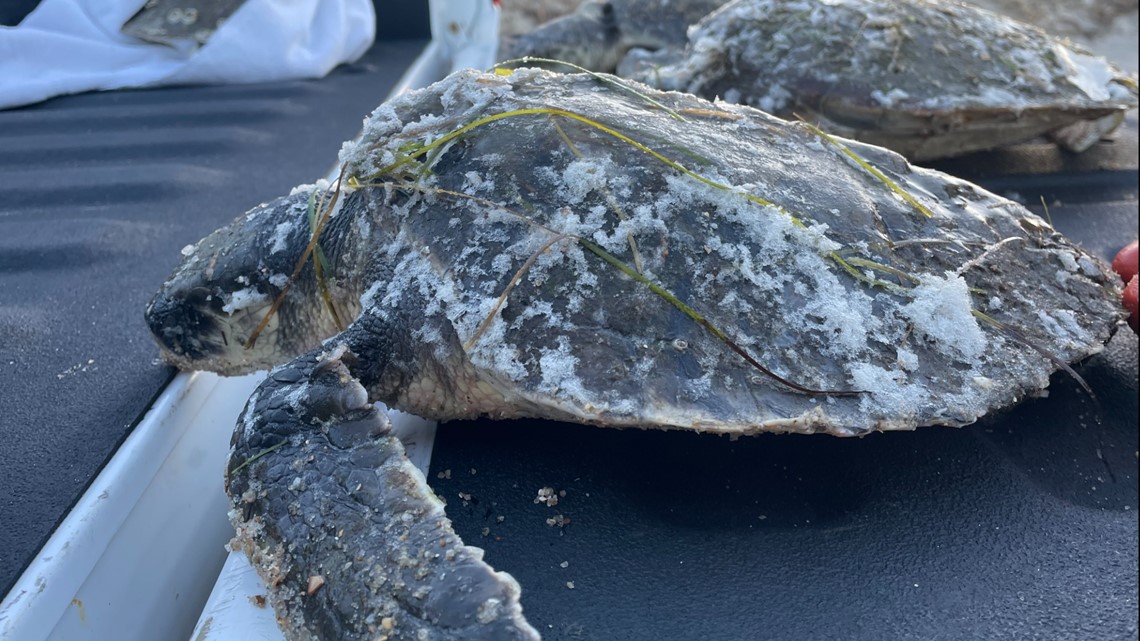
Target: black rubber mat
{"points": [[98, 193], [1022, 526], [13, 11]]}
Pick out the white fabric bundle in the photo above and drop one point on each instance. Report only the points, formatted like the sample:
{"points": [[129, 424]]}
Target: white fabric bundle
{"points": [[71, 46]]}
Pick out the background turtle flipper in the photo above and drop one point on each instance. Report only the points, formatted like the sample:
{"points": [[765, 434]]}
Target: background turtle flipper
{"points": [[344, 530]]}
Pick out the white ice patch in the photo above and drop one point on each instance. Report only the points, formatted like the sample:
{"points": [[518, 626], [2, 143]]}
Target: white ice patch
{"points": [[559, 373], [244, 299], [461, 97], [940, 311], [908, 360], [642, 223], [380, 125], [368, 300], [776, 252], [1062, 324], [249, 417], [890, 98], [544, 310], [416, 279], [501, 264], [889, 393], [461, 92], [492, 351], [364, 228], [1090, 268], [1087, 73], [281, 237], [474, 183], [320, 185], [1068, 261], [581, 177]]}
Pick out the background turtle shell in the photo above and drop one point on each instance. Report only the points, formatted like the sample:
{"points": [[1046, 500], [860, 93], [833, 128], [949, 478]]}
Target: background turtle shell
{"points": [[578, 338], [926, 79]]}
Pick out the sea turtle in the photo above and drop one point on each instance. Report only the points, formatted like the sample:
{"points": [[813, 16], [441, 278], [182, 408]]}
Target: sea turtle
{"points": [[567, 246], [927, 79]]}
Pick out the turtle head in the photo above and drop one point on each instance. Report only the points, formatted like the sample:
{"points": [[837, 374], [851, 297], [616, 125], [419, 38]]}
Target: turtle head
{"points": [[590, 37], [208, 313]]}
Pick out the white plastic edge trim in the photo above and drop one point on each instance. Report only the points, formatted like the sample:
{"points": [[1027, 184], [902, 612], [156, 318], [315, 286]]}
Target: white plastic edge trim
{"points": [[132, 553]]}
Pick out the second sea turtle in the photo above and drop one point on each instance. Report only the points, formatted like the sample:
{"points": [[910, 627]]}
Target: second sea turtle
{"points": [[927, 79]]}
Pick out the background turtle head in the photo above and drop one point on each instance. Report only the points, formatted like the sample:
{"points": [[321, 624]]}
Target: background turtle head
{"points": [[590, 37], [205, 314]]}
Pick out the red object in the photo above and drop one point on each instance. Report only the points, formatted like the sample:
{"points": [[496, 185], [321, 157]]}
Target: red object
{"points": [[1125, 262], [1132, 296]]}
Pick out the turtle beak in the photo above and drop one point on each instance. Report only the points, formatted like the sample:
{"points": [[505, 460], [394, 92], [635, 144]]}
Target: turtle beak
{"points": [[179, 326]]}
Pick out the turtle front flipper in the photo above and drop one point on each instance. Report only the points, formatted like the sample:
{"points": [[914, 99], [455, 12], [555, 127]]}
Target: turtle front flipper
{"points": [[345, 531], [1082, 135]]}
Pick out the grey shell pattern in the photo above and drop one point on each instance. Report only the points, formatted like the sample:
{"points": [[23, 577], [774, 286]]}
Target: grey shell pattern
{"points": [[578, 339]]}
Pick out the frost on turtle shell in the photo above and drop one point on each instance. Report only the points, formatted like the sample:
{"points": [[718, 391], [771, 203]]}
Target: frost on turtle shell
{"points": [[766, 275], [243, 299], [582, 177], [386, 123], [940, 311], [281, 237]]}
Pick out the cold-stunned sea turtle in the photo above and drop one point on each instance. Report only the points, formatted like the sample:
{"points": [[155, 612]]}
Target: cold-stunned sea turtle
{"points": [[548, 245], [927, 79]]}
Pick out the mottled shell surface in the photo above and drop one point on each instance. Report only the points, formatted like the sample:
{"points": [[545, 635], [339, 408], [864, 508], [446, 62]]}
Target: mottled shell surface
{"points": [[794, 252], [927, 79]]}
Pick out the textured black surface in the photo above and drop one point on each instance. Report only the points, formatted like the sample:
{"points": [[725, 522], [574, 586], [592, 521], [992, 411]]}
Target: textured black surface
{"points": [[401, 20], [1023, 526], [13, 11], [1008, 529], [97, 195]]}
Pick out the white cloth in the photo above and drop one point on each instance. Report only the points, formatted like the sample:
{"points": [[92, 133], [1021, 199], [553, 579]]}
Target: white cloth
{"points": [[71, 46]]}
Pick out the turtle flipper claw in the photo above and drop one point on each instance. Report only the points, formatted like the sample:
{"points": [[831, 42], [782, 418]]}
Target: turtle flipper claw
{"points": [[350, 540]]}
